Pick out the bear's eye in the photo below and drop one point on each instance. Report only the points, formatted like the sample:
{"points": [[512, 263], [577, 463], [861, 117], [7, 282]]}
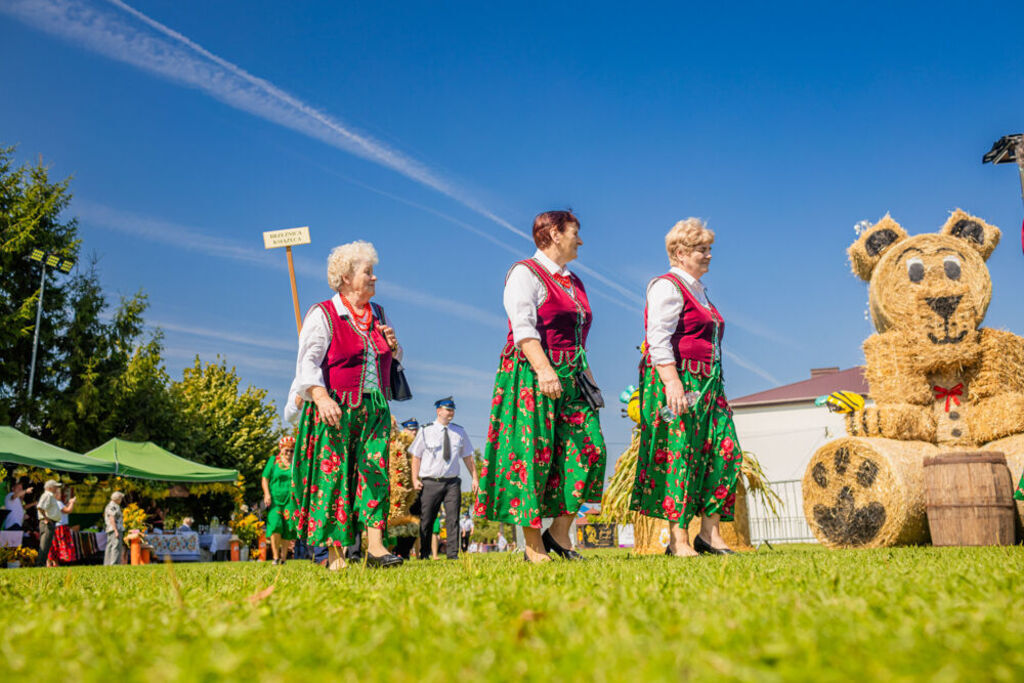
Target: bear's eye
{"points": [[915, 269], [951, 264]]}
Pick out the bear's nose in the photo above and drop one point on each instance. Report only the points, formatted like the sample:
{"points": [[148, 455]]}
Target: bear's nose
{"points": [[944, 305]]}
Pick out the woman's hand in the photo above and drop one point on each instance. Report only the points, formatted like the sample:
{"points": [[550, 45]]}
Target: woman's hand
{"points": [[266, 500], [389, 336], [329, 410], [675, 397], [549, 383], [547, 380]]}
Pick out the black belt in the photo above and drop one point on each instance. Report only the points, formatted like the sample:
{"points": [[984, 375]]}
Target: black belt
{"points": [[445, 479]]}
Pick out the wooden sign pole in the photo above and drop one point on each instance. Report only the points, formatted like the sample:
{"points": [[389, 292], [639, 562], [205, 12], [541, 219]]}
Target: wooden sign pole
{"points": [[274, 239], [295, 290]]}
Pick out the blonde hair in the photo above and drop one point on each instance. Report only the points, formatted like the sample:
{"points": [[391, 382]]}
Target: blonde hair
{"points": [[690, 233], [343, 259]]}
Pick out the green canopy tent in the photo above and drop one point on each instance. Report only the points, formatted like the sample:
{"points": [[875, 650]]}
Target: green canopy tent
{"points": [[149, 461], [20, 449]]}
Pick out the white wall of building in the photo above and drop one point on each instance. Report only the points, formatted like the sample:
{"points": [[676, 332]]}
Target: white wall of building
{"points": [[784, 437]]}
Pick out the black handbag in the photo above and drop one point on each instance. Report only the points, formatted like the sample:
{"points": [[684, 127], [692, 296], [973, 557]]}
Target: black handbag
{"points": [[589, 390], [400, 390]]}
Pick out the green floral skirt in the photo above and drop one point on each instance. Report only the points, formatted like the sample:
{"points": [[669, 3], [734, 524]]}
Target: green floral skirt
{"points": [[340, 479], [686, 467], [544, 457], [277, 522]]}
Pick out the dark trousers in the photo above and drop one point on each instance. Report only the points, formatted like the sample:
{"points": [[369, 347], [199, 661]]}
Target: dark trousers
{"points": [[436, 491], [46, 529]]}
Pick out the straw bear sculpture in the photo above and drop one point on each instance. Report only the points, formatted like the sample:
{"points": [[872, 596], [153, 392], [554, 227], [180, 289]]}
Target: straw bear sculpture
{"points": [[939, 381]]}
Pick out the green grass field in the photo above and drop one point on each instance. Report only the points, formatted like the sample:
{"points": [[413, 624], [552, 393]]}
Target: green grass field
{"points": [[796, 613]]}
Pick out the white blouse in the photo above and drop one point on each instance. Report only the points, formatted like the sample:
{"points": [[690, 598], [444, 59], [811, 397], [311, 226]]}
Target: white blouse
{"points": [[524, 293], [664, 305], [314, 341]]}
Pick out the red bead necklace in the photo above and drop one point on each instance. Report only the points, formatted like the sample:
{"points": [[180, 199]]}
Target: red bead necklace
{"points": [[362, 320]]}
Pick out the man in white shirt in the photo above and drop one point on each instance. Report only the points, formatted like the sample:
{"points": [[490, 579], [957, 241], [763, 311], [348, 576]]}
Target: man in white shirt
{"points": [[49, 510], [436, 452]]}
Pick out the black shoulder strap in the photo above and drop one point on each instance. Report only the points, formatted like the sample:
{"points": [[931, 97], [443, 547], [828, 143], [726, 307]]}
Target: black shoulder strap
{"points": [[378, 313]]}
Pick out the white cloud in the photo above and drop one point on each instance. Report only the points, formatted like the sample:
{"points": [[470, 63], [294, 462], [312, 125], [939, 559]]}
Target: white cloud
{"points": [[751, 366]]}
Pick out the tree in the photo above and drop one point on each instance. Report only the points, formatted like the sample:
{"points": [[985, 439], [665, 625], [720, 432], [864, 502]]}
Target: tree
{"points": [[115, 384], [223, 426], [30, 218]]}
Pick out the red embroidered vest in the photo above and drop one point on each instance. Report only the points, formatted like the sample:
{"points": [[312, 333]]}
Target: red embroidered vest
{"points": [[343, 365], [698, 332], [563, 320]]}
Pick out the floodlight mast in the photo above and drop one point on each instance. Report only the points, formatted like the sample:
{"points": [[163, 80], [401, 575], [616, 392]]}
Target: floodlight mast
{"points": [[64, 266], [35, 334], [1006, 150]]}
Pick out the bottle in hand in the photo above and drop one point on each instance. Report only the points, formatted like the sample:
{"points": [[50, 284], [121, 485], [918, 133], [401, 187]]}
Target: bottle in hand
{"points": [[668, 415]]}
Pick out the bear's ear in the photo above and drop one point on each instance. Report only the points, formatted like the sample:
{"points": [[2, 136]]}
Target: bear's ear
{"points": [[976, 232], [873, 242]]}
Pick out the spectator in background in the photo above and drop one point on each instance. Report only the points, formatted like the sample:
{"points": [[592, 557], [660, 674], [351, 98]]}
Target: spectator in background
{"points": [[186, 525], [276, 482], [466, 526], [49, 511], [436, 452], [113, 522], [13, 501], [63, 547]]}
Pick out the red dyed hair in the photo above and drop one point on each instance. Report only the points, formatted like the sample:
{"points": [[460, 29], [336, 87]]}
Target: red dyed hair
{"points": [[542, 224]]}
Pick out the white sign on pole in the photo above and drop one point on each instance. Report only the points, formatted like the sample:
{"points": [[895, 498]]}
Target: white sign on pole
{"points": [[272, 239]]}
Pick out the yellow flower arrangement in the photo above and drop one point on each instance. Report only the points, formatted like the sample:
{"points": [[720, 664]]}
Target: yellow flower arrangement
{"points": [[26, 557], [248, 529], [135, 518]]}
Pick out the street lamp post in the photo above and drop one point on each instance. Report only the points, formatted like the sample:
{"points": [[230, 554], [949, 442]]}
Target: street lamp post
{"points": [[65, 266]]}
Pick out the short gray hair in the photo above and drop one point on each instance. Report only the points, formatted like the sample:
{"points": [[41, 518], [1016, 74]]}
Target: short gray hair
{"points": [[117, 496], [343, 259], [690, 233]]}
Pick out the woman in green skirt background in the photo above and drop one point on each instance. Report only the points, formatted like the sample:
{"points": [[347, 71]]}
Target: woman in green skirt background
{"points": [[689, 456], [277, 486], [545, 454]]}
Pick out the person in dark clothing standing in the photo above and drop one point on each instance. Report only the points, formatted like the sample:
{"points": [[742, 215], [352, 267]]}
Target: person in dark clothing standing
{"points": [[436, 451]]}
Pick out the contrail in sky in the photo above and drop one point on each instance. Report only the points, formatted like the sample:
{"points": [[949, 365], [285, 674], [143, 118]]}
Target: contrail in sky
{"points": [[180, 59], [183, 237]]}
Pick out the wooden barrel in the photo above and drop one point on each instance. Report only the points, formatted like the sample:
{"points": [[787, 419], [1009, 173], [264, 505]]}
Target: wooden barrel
{"points": [[969, 497]]}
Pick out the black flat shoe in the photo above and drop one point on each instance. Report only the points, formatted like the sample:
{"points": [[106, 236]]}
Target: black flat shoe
{"points": [[705, 548], [551, 545], [384, 561], [668, 551]]}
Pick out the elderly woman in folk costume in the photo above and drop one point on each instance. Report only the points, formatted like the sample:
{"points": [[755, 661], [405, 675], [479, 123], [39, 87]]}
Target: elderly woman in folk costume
{"points": [[689, 457], [340, 473], [545, 454], [277, 487]]}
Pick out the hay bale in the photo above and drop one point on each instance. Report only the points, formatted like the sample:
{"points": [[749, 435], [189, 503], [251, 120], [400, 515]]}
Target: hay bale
{"points": [[651, 535], [867, 492], [402, 494], [1013, 448], [997, 392]]}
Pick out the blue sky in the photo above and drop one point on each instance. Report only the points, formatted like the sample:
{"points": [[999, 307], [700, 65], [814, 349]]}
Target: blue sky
{"points": [[437, 131]]}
